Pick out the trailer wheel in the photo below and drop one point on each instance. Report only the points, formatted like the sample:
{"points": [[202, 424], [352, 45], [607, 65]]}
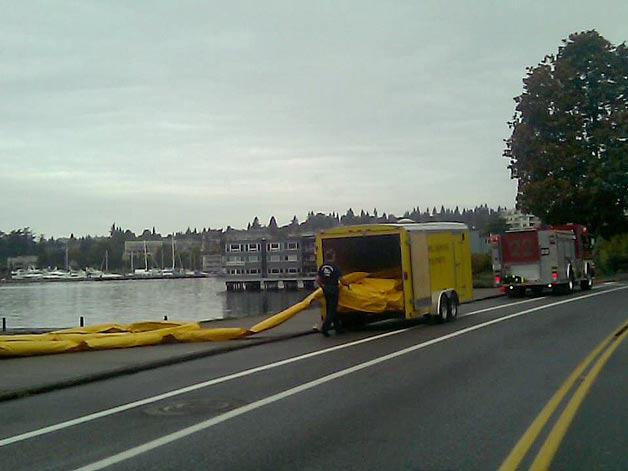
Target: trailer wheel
{"points": [[443, 308], [587, 284], [453, 306]]}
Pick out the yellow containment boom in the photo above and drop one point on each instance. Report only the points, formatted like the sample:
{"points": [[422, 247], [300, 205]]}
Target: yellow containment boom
{"points": [[367, 295]]}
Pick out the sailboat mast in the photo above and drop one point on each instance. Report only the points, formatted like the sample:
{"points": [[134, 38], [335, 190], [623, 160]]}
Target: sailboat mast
{"points": [[172, 243]]}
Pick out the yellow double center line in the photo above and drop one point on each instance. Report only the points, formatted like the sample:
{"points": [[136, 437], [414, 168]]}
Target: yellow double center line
{"points": [[552, 442]]}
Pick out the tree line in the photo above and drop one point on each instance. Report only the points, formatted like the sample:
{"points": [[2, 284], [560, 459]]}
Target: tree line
{"points": [[91, 251], [486, 220]]}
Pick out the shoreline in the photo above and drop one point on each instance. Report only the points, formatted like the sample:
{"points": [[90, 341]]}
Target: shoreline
{"points": [[11, 281]]}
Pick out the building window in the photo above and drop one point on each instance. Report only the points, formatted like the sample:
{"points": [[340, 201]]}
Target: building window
{"points": [[234, 247], [275, 258], [293, 270], [291, 258], [253, 258], [293, 245], [274, 246], [274, 271], [253, 271], [253, 247]]}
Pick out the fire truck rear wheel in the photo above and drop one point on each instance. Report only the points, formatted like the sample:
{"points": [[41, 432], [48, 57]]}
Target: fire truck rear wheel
{"points": [[443, 309], [537, 290], [571, 284], [516, 292], [586, 285]]}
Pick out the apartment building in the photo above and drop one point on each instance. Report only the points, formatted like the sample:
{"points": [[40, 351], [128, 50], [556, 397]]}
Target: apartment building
{"points": [[242, 255], [258, 254], [516, 219]]}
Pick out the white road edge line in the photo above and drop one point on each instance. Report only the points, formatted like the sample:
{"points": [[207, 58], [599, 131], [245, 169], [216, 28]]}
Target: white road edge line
{"points": [[166, 439], [472, 313], [212, 382], [149, 400]]}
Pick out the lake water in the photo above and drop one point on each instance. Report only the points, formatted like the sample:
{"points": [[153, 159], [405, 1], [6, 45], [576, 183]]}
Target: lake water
{"points": [[60, 304]]}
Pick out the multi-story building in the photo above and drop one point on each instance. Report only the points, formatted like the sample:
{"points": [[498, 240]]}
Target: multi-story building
{"points": [[308, 255], [257, 255], [242, 254], [211, 250], [516, 220], [283, 258], [212, 263]]}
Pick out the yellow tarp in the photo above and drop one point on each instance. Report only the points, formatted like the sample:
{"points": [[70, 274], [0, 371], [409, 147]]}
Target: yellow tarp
{"points": [[368, 295]]}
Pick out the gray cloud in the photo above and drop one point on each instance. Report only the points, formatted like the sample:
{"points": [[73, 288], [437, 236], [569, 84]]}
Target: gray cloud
{"points": [[207, 113]]}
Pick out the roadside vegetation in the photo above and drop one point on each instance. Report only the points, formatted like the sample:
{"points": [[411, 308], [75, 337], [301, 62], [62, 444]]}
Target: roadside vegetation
{"points": [[481, 267], [612, 255]]}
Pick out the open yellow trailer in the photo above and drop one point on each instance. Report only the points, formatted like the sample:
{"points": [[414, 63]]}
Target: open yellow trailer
{"points": [[432, 262]]}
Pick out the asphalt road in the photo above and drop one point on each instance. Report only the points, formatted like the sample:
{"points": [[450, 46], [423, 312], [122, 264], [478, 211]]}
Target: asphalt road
{"points": [[396, 396]]}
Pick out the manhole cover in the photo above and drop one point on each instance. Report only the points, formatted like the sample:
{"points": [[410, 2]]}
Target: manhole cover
{"points": [[194, 407]]}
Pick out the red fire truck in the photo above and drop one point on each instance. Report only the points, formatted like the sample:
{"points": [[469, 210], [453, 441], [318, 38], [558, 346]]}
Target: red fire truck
{"points": [[558, 257]]}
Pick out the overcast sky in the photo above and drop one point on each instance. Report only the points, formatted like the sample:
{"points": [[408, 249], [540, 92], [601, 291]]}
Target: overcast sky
{"points": [[183, 113]]}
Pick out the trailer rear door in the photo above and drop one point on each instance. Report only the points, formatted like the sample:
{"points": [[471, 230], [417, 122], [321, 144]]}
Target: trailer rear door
{"points": [[420, 272], [462, 256]]}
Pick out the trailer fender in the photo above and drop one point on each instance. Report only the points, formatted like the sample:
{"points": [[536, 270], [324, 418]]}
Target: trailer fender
{"points": [[436, 299], [445, 304]]}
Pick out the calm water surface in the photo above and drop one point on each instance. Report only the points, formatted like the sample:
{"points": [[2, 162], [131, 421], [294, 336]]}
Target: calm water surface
{"points": [[61, 304]]}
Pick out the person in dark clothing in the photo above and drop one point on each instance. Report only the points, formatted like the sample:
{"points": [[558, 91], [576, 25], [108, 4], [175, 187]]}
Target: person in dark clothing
{"points": [[328, 278]]}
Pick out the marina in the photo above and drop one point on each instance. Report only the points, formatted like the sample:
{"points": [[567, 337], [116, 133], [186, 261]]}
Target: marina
{"points": [[31, 275]]}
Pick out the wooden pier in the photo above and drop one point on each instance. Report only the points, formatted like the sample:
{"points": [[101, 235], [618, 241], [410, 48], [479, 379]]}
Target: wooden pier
{"points": [[270, 284]]}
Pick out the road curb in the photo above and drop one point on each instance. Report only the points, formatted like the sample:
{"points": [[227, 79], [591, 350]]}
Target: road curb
{"points": [[31, 391], [128, 370]]}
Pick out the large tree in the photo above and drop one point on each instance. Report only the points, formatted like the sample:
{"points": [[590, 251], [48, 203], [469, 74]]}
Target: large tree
{"points": [[569, 146]]}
